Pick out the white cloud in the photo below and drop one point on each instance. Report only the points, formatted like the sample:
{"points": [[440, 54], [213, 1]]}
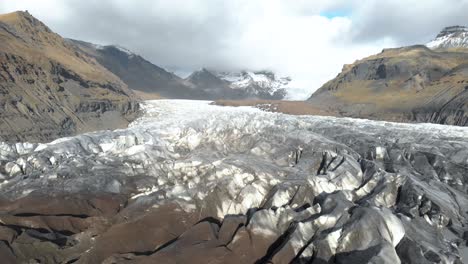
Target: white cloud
{"points": [[51, 11], [295, 38], [309, 47]]}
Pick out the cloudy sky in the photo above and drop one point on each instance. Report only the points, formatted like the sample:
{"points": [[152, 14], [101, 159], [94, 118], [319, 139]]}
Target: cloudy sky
{"points": [[309, 40]]}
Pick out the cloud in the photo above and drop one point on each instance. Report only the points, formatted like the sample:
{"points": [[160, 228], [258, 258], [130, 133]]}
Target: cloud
{"points": [[307, 40], [407, 22]]}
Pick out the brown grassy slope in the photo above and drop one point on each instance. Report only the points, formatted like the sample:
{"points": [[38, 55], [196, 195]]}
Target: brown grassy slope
{"points": [[26, 36], [404, 84], [49, 90]]}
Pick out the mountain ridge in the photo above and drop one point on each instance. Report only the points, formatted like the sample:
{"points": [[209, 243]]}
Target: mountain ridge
{"points": [[50, 90], [411, 83], [142, 75], [137, 72]]}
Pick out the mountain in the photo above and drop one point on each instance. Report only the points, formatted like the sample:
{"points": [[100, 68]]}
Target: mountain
{"points": [[49, 89], [146, 78], [138, 73], [207, 82], [450, 37], [262, 84], [239, 85], [403, 84]]}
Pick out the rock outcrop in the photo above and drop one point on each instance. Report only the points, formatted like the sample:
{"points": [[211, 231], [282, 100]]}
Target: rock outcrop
{"points": [[48, 89]]}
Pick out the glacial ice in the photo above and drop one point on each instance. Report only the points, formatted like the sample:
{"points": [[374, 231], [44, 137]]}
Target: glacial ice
{"points": [[332, 187]]}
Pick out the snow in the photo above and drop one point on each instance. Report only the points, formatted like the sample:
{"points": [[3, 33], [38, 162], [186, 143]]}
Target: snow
{"points": [[128, 52], [231, 77], [267, 81], [120, 48], [450, 38], [97, 46], [259, 78], [449, 42]]}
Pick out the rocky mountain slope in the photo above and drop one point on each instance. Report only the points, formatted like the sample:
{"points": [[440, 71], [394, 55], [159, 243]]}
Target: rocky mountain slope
{"points": [[48, 89], [403, 84], [450, 37], [190, 182], [138, 73], [209, 83]]}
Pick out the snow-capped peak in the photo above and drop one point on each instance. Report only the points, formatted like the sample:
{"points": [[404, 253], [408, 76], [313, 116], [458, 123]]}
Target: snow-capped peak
{"points": [[97, 46], [120, 48], [124, 50], [265, 80], [450, 37]]}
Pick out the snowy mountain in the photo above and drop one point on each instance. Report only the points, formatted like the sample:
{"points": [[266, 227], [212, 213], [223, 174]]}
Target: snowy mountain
{"points": [[142, 75], [240, 85], [451, 37], [266, 81]]}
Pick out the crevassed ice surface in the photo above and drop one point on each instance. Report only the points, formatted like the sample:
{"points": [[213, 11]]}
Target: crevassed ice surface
{"points": [[330, 188]]}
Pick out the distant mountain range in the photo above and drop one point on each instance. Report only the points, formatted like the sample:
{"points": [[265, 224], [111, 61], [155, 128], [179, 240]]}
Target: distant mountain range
{"points": [[239, 85], [141, 75]]}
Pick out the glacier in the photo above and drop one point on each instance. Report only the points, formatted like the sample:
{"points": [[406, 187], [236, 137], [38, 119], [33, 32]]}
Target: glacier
{"points": [[300, 189]]}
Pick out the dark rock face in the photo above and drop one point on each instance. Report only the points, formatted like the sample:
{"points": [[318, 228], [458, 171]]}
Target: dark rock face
{"points": [[405, 84], [196, 183]]}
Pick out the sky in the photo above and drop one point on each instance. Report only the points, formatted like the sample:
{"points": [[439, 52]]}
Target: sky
{"points": [[308, 40]]}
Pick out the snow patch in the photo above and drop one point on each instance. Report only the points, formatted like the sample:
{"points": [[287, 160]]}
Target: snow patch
{"points": [[450, 37]]}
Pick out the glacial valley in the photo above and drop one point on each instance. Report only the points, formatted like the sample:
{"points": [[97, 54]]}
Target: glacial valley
{"points": [[191, 181]]}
